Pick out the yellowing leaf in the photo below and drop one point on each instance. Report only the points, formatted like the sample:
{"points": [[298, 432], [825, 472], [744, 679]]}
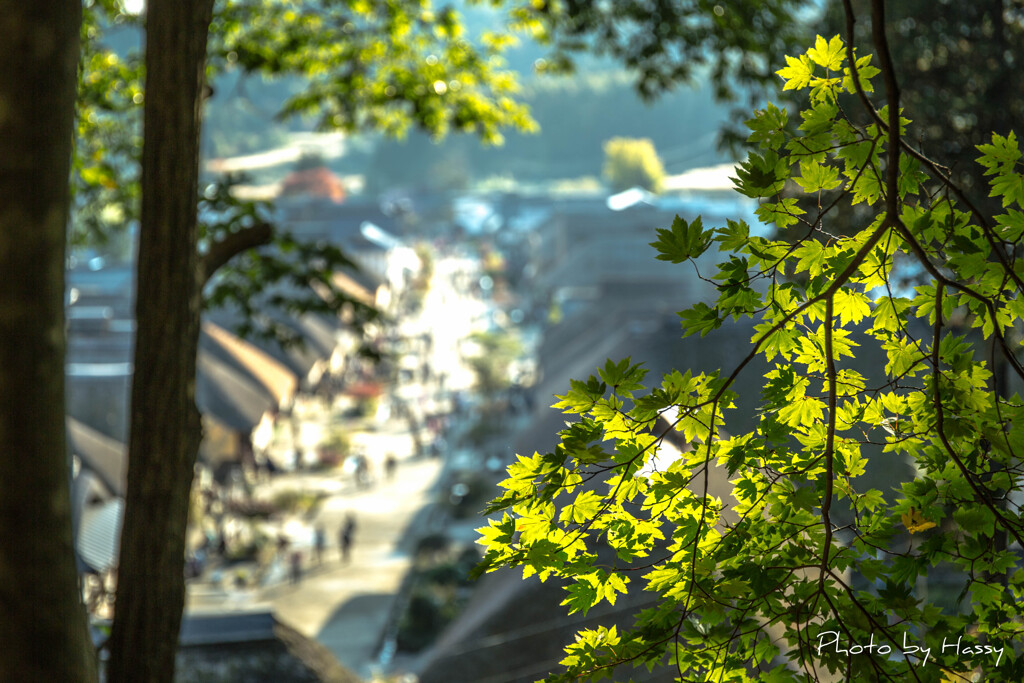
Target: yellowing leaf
{"points": [[915, 521], [951, 676]]}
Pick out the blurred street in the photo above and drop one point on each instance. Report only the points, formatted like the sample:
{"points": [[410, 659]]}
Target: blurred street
{"points": [[347, 606], [343, 606]]}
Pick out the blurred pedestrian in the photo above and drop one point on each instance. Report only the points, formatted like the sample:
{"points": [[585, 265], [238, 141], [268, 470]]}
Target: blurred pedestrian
{"points": [[192, 567], [362, 472], [296, 567], [345, 537], [318, 542], [390, 463]]}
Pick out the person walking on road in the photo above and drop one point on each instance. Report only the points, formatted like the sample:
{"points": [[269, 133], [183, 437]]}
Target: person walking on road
{"points": [[348, 530], [362, 472], [318, 543], [296, 567]]}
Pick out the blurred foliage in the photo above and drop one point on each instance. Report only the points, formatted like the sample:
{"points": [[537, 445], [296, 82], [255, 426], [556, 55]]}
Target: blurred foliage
{"points": [[367, 406], [335, 448], [372, 66], [105, 166], [421, 281], [354, 66], [632, 162], [738, 44], [496, 351], [241, 117], [576, 115], [435, 598], [431, 607], [958, 63], [290, 276], [383, 67], [961, 57], [295, 501], [248, 548]]}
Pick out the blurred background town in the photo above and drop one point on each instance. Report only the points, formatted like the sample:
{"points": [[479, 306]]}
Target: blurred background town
{"points": [[336, 495]]}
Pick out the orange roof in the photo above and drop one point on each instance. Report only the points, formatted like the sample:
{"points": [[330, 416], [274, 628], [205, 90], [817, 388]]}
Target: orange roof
{"points": [[364, 390], [318, 182]]}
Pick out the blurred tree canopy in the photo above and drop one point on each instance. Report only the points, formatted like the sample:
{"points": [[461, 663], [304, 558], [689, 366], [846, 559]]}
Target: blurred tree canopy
{"points": [[496, 352], [632, 162], [667, 44], [961, 59], [961, 56], [359, 66], [575, 114]]}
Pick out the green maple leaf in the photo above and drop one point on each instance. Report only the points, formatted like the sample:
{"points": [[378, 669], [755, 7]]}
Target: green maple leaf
{"points": [[734, 236], [1003, 153], [682, 241], [851, 307], [582, 596], [1009, 186], [761, 175], [815, 176], [865, 71], [700, 318], [768, 127]]}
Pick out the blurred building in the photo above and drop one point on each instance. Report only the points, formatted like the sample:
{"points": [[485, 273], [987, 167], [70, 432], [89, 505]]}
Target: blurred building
{"points": [[317, 182]]}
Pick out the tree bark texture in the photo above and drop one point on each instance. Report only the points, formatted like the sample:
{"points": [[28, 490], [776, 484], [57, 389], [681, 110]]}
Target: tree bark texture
{"points": [[164, 426], [43, 630]]}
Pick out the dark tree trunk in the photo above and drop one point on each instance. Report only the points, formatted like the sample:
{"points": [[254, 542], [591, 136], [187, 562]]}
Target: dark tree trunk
{"points": [[43, 631], [165, 429]]}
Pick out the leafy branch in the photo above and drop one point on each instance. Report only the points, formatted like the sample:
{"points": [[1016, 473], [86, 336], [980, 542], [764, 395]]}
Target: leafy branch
{"points": [[760, 537]]}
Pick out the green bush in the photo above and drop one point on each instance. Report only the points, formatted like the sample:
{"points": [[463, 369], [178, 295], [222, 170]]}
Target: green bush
{"points": [[333, 451], [367, 406], [295, 501], [437, 593], [430, 546], [423, 620]]}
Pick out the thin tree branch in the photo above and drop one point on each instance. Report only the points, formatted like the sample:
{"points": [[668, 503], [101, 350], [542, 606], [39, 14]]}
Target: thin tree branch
{"points": [[830, 439], [941, 279], [892, 170], [982, 492], [936, 169], [232, 245], [892, 96]]}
